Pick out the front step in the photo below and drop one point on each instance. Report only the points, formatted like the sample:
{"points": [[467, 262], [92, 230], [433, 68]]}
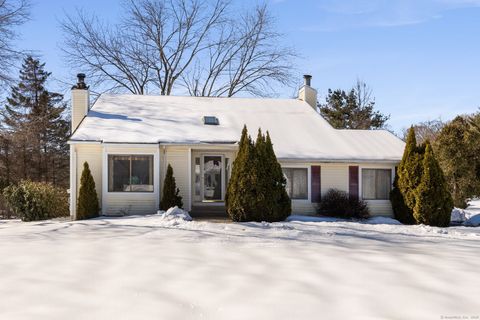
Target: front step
{"points": [[209, 212]]}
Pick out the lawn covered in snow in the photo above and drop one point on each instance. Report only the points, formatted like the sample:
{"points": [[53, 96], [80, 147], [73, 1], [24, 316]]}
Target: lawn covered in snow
{"points": [[156, 267]]}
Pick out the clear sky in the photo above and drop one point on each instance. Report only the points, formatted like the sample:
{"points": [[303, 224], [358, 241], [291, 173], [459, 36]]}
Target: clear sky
{"points": [[420, 57]]}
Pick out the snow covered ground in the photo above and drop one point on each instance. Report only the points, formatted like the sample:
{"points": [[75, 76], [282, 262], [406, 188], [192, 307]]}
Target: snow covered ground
{"points": [[156, 267], [469, 216]]}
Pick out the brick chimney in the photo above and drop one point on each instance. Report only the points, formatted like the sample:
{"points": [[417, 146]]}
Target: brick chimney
{"points": [[80, 101], [307, 93]]}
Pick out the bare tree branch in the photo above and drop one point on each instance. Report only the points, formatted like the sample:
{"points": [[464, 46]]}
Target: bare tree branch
{"points": [[160, 42], [12, 14]]}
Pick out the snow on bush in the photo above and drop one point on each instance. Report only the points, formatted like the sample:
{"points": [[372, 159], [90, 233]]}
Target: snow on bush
{"points": [[175, 213]]}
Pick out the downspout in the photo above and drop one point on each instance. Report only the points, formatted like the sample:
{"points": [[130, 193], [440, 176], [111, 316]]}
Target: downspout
{"points": [[73, 182]]}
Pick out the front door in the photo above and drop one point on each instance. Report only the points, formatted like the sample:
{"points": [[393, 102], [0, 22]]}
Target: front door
{"points": [[212, 178]]}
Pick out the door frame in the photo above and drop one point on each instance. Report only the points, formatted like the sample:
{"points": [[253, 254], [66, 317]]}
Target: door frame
{"points": [[202, 177]]}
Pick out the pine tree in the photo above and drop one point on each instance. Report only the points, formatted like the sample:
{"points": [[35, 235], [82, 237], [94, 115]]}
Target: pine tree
{"points": [[353, 109], [240, 199], [170, 193], [87, 204], [433, 205], [36, 129]]}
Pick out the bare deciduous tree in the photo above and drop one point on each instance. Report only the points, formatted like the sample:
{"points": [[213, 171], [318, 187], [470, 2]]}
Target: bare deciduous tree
{"points": [[245, 57], [12, 14], [194, 44], [105, 54], [426, 130]]}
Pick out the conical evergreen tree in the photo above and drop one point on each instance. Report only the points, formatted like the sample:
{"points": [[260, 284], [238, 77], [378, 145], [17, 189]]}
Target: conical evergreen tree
{"points": [[409, 175], [256, 191], [434, 204], [87, 204], [260, 182], [410, 169], [240, 199], [280, 201], [401, 212], [170, 194]]}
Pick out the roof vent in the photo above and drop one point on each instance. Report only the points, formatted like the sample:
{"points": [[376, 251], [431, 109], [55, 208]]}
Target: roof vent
{"points": [[211, 120]]}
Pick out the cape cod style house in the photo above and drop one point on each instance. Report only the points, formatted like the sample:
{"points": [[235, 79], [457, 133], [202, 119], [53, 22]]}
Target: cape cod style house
{"points": [[128, 141]]}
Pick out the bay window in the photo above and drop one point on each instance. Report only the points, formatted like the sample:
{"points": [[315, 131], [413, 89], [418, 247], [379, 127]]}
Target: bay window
{"points": [[130, 173]]}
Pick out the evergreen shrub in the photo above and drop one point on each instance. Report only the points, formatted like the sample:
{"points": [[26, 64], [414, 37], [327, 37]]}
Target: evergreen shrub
{"points": [[170, 193], [87, 205], [256, 191], [33, 201]]}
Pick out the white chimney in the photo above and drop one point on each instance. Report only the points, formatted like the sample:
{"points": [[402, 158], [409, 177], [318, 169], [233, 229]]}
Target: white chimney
{"points": [[307, 93], [80, 101]]}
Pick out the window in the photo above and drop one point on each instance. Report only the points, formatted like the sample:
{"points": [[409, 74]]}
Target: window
{"points": [[297, 182], [376, 184], [211, 120], [198, 185], [130, 173]]}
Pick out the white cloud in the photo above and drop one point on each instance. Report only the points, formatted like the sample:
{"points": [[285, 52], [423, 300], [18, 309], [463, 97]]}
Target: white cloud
{"points": [[382, 13]]}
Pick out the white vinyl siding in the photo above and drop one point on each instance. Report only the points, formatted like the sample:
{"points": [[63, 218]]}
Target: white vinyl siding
{"points": [[334, 176], [128, 203], [92, 154], [178, 158]]}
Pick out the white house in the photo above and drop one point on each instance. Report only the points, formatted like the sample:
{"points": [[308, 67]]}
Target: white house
{"points": [[128, 141]]}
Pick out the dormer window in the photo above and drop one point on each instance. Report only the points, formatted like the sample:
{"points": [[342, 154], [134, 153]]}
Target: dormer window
{"points": [[211, 121]]}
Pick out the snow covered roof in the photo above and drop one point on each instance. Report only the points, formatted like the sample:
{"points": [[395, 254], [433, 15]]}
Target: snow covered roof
{"points": [[297, 131]]}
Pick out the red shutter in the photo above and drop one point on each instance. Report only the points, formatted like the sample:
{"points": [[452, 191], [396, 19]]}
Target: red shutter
{"points": [[315, 184], [353, 181]]}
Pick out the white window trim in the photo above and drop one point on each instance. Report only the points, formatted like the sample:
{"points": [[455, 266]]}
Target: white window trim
{"points": [[309, 182], [155, 151], [360, 180]]}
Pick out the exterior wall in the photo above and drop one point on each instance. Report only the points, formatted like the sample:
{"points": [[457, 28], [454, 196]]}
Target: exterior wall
{"points": [[80, 101], [378, 207], [80, 153], [122, 203], [335, 176], [309, 95], [180, 159]]}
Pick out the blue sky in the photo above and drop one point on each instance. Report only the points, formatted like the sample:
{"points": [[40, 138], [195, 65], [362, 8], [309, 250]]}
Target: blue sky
{"points": [[420, 57]]}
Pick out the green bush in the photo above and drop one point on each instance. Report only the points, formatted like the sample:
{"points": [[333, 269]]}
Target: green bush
{"points": [[170, 193], [33, 201], [336, 203], [256, 191], [87, 204]]}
